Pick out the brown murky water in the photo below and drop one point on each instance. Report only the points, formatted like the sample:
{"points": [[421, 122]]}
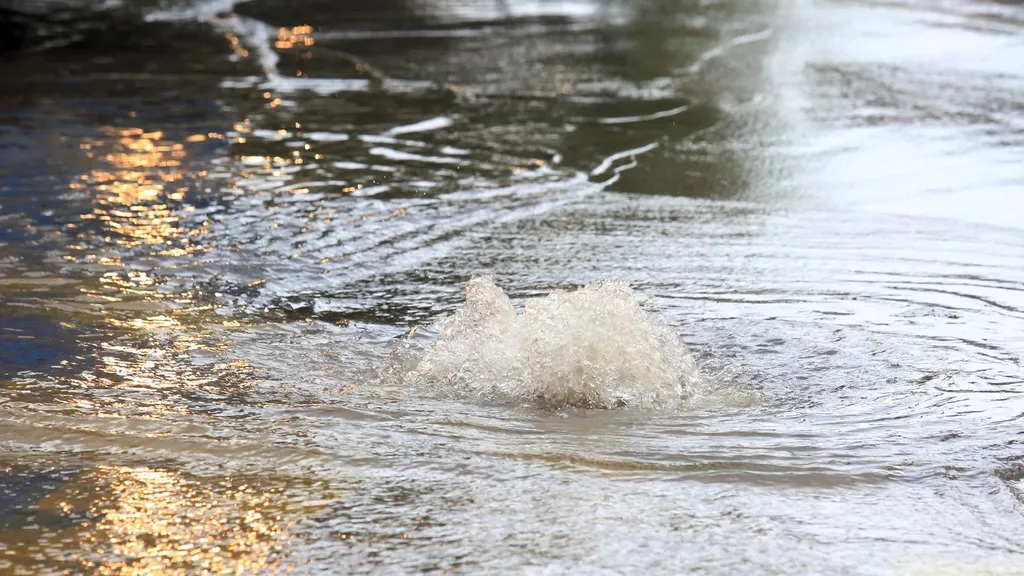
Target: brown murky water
{"points": [[224, 229]]}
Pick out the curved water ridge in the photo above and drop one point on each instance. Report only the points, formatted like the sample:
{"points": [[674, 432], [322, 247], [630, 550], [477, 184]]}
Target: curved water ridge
{"points": [[595, 347]]}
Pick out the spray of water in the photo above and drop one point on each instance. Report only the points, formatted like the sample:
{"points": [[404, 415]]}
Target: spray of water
{"points": [[595, 347]]}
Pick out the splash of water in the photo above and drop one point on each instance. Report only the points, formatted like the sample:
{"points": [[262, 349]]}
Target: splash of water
{"points": [[592, 348]]}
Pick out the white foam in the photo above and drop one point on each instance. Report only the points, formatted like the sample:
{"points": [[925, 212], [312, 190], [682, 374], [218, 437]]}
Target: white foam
{"points": [[399, 155], [199, 10], [327, 136], [272, 135], [428, 125], [592, 348]]}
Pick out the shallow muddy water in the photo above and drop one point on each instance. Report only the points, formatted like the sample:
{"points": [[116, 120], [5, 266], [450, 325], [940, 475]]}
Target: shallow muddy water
{"points": [[227, 232]]}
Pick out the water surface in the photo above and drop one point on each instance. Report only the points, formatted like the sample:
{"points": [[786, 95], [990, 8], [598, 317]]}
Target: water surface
{"points": [[223, 229]]}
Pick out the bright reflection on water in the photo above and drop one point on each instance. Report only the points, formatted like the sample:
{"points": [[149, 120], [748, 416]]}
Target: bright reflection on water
{"points": [[226, 232]]}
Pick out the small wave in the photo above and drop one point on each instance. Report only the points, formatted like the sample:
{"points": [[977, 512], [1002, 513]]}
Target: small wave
{"points": [[595, 347]]}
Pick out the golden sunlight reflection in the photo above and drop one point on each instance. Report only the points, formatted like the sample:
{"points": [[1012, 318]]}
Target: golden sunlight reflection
{"points": [[137, 187], [135, 520], [138, 190], [167, 362], [295, 36], [155, 521], [237, 46]]}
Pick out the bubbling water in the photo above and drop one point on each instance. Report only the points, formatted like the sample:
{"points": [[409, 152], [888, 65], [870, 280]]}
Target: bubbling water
{"points": [[595, 347]]}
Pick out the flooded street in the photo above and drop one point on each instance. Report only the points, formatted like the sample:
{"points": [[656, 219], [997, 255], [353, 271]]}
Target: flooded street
{"points": [[228, 231]]}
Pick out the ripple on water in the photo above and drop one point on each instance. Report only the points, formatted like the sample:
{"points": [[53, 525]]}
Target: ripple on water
{"points": [[215, 328]]}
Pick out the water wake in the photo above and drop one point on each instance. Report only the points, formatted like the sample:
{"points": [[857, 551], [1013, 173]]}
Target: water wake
{"points": [[592, 348]]}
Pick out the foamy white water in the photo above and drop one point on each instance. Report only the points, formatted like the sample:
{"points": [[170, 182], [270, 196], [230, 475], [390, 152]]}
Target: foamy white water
{"points": [[595, 347]]}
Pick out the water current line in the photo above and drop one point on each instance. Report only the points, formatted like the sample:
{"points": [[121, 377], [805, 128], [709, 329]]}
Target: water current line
{"points": [[256, 34], [259, 37], [726, 46], [631, 153]]}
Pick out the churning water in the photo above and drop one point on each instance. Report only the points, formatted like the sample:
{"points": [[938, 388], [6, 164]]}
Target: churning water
{"points": [[593, 348], [755, 304]]}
